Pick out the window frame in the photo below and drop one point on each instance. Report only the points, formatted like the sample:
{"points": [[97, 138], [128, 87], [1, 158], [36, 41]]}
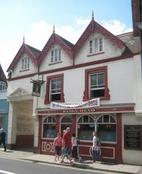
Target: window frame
{"points": [[96, 45], [102, 69], [25, 63], [3, 86], [55, 56], [48, 123], [48, 88]]}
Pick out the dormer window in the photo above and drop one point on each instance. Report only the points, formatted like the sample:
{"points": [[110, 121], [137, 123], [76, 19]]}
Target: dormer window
{"points": [[55, 55], [96, 45], [25, 63], [3, 86]]}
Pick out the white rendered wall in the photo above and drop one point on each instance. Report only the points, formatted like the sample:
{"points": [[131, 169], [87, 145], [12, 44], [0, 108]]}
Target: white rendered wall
{"points": [[17, 69], [110, 50], [47, 65], [131, 156]]}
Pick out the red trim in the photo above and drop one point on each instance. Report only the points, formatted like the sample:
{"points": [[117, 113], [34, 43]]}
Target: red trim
{"points": [[52, 40], [39, 133], [101, 109], [118, 150], [95, 27], [49, 78], [129, 55], [23, 49], [94, 70]]}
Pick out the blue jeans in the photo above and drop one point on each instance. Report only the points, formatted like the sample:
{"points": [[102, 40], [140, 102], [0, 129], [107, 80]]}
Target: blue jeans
{"points": [[96, 155]]}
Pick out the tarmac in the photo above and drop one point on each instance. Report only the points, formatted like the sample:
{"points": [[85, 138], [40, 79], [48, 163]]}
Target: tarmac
{"points": [[86, 164]]}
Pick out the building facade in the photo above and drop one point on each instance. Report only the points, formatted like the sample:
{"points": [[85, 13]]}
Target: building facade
{"points": [[92, 85], [3, 101]]}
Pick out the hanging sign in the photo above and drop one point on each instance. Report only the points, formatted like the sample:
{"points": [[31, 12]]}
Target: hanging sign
{"points": [[36, 89], [90, 103]]}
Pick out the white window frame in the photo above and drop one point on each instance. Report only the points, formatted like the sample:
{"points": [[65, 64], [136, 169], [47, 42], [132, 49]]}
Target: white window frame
{"points": [[46, 121], [3, 86], [58, 90], [25, 63], [55, 55], [98, 86], [96, 45]]}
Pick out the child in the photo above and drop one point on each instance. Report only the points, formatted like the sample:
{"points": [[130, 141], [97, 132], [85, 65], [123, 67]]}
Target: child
{"points": [[57, 146]]}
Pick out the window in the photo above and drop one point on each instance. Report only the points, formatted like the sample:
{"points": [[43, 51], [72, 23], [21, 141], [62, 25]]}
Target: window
{"points": [[54, 89], [85, 127], [55, 55], [49, 127], [3, 86], [96, 83], [96, 45], [106, 128], [25, 63]]}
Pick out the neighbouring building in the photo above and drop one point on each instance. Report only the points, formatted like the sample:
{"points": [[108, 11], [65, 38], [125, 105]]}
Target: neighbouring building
{"points": [[3, 101], [94, 84]]}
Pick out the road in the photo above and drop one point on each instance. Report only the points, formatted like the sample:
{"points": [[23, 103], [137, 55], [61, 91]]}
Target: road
{"points": [[8, 166]]}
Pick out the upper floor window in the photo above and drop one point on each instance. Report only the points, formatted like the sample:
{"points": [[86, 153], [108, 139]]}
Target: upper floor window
{"points": [[55, 55], [54, 89], [96, 45], [96, 84], [25, 63], [2, 86]]}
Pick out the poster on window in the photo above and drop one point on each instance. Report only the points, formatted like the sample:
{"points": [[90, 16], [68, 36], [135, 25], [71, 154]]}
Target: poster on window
{"points": [[36, 89]]}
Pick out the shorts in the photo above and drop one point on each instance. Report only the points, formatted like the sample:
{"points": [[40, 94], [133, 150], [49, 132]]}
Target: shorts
{"points": [[58, 150]]}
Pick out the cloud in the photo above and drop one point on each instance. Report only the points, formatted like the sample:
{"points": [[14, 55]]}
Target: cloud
{"points": [[38, 34], [115, 26]]}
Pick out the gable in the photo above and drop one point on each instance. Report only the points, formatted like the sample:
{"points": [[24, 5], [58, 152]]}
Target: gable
{"points": [[56, 40], [94, 27], [24, 49]]}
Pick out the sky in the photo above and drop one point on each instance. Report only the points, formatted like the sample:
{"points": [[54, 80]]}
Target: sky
{"points": [[34, 21]]}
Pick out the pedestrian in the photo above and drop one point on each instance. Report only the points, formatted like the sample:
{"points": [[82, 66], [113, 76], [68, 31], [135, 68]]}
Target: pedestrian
{"points": [[58, 146], [67, 145], [95, 149], [74, 147], [3, 138]]}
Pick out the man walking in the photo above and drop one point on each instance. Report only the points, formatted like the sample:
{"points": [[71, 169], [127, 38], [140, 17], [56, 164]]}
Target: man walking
{"points": [[3, 138], [67, 145]]}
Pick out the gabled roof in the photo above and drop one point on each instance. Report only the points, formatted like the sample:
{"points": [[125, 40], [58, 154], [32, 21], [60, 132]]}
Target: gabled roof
{"points": [[2, 75], [95, 27], [56, 39], [30, 51]]}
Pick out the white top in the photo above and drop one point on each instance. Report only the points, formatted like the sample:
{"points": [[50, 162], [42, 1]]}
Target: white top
{"points": [[74, 141], [95, 143]]}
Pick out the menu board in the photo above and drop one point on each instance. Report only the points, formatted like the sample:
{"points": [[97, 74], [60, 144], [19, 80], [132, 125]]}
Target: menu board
{"points": [[133, 137]]}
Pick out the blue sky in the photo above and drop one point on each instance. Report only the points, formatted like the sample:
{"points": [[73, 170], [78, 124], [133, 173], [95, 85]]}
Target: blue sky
{"points": [[34, 19]]}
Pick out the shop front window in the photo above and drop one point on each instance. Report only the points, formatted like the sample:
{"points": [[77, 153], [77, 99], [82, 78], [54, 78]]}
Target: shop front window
{"points": [[106, 128], [66, 121], [85, 127], [49, 127]]}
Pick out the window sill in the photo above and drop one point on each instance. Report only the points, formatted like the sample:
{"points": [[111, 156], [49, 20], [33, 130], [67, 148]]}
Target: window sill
{"points": [[53, 63], [24, 70], [95, 54]]}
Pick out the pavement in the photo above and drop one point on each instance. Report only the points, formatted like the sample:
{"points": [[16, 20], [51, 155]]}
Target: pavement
{"points": [[86, 164]]}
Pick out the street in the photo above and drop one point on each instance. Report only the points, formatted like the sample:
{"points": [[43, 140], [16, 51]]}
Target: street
{"points": [[8, 166]]}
